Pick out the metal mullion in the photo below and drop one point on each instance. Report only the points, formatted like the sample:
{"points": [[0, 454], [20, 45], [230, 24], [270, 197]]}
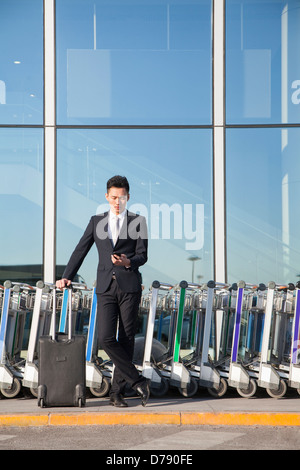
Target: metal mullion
{"points": [[219, 140], [49, 142]]}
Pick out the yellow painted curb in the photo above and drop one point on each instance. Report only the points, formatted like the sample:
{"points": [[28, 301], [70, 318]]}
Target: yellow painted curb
{"points": [[23, 420], [241, 419], [114, 418], [144, 418]]}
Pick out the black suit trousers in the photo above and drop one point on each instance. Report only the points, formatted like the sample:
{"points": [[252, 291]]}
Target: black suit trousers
{"points": [[117, 318]]}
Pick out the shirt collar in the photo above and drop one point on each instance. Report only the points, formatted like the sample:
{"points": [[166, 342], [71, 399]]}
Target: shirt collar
{"points": [[114, 216]]}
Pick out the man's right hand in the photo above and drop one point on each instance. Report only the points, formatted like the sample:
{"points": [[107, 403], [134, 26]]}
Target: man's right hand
{"points": [[63, 283]]}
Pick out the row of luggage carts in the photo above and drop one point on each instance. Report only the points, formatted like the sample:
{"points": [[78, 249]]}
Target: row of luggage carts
{"points": [[211, 336], [240, 336]]}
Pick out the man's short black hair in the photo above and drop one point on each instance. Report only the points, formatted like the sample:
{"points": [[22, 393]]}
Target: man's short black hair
{"points": [[118, 182]]}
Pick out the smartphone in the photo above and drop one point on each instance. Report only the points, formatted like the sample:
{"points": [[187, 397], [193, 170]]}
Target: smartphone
{"points": [[115, 253]]}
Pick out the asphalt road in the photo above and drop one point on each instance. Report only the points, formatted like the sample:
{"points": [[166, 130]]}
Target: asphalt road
{"points": [[157, 439]]}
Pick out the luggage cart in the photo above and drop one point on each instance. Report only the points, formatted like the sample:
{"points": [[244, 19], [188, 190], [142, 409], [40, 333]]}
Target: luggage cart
{"points": [[195, 305], [98, 372], [159, 385], [212, 304], [294, 374], [181, 377], [14, 309], [172, 366], [276, 342], [249, 319], [209, 304], [166, 305], [224, 307], [40, 325]]}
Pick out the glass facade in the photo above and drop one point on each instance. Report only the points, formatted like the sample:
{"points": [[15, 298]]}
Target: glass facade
{"points": [[262, 62], [262, 193], [134, 94], [262, 160], [21, 204], [133, 62], [21, 63]]}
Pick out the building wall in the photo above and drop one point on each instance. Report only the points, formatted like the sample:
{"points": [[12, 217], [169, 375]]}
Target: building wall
{"points": [[196, 102]]}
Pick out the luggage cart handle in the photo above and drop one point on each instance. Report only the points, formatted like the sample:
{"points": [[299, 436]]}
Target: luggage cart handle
{"points": [[289, 286], [78, 285], [192, 285], [214, 284], [161, 285], [247, 285], [273, 285], [17, 286], [187, 285], [73, 285]]}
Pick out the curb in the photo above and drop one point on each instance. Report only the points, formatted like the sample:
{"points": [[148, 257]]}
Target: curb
{"points": [[179, 419]]}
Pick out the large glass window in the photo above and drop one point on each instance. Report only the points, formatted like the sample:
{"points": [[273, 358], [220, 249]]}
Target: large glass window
{"points": [[263, 190], [21, 204], [133, 62], [170, 176], [262, 61], [21, 62]]}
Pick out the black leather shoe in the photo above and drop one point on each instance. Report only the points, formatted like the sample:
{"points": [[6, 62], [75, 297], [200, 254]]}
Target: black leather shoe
{"points": [[118, 400], [143, 390]]}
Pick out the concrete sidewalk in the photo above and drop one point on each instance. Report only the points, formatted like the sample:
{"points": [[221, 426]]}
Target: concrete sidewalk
{"points": [[172, 409]]}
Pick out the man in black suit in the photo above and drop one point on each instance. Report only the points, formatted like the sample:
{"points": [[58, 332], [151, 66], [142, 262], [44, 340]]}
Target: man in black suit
{"points": [[122, 243]]}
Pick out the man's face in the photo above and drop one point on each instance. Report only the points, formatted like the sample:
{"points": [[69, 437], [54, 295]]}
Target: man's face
{"points": [[117, 199]]}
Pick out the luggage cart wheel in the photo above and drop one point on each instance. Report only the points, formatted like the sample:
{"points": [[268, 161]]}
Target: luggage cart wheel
{"points": [[160, 391], [101, 391], [34, 391], [13, 391], [279, 392], [190, 390], [220, 391], [249, 391]]}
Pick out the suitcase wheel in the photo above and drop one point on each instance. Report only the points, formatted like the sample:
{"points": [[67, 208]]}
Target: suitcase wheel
{"points": [[41, 402]]}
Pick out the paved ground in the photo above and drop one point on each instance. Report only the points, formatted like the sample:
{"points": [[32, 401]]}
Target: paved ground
{"points": [[158, 440], [172, 425]]}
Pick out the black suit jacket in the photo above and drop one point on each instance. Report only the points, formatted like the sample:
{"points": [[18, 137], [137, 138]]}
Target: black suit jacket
{"points": [[132, 241]]}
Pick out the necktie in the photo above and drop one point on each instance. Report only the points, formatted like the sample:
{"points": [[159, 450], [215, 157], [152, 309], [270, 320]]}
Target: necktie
{"points": [[117, 230]]}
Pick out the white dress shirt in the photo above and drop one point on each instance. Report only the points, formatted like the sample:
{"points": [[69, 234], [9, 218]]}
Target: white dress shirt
{"points": [[112, 224]]}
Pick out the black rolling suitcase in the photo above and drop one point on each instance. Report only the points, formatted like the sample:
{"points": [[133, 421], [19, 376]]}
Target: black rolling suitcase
{"points": [[61, 369]]}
